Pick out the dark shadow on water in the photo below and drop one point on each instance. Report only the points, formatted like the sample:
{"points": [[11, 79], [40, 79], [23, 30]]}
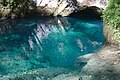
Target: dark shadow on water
{"points": [[88, 13]]}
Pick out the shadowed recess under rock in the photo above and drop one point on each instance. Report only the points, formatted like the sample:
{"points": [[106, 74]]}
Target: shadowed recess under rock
{"points": [[89, 12]]}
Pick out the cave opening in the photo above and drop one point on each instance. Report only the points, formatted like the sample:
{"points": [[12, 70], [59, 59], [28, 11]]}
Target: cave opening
{"points": [[88, 13]]}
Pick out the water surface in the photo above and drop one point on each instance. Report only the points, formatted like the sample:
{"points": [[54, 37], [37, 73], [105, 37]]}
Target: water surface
{"points": [[32, 43]]}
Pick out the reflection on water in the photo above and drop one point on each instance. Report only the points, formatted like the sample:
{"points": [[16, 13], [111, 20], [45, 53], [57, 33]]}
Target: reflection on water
{"points": [[43, 42]]}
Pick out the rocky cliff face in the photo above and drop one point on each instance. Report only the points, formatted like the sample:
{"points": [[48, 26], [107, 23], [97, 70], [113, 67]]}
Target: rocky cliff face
{"points": [[66, 7], [97, 3], [49, 7], [111, 20], [112, 35]]}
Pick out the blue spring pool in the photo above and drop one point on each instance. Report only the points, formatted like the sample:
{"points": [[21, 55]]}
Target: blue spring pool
{"points": [[32, 43]]}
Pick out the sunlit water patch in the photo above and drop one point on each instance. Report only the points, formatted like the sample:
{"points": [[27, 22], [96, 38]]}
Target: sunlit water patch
{"points": [[27, 44]]}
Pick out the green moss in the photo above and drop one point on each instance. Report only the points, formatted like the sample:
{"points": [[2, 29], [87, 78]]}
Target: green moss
{"points": [[111, 14]]}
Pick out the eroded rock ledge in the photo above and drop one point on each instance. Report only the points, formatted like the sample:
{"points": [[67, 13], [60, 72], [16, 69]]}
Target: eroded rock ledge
{"points": [[104, 65], [66, 7], [49, 7]]}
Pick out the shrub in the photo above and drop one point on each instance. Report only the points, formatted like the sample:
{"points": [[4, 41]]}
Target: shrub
{"points": [[111, 14]]}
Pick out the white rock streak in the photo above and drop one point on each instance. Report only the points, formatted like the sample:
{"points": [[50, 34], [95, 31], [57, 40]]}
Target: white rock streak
{"points": [[60, 7], [97, 3], [38, 2], [44, 2], [53, 3]]}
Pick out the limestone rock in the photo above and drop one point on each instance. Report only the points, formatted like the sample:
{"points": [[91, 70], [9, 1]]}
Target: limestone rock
{"points": [[66, 77], [112, 35], [55, 7], [96, 3], [50, 73], [66, 7], [85, 58], [103, 66], [5, 13]]}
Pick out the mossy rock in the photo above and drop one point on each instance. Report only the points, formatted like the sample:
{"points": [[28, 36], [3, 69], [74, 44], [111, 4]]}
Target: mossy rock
{"points": [[111, 17], [112, 34]]}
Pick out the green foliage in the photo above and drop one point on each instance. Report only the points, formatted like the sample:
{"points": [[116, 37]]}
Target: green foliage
{"points": [[12, 3], [8, 4], [111, 15], [14, 8]]}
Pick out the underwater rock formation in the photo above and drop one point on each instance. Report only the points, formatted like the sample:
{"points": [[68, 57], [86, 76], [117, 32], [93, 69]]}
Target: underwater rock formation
{"points": [[44, 74]]}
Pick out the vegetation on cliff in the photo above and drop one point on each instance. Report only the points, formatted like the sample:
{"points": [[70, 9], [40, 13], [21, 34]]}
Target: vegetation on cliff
{"points": [[111, 17], [112, 13], [14, 8]]}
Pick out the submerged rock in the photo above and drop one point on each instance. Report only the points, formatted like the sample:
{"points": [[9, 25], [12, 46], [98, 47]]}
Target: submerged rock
{"points": [[43, 74]]}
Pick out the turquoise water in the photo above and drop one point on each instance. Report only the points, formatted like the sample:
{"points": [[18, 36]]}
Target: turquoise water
{"points": [[33, 43]]}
